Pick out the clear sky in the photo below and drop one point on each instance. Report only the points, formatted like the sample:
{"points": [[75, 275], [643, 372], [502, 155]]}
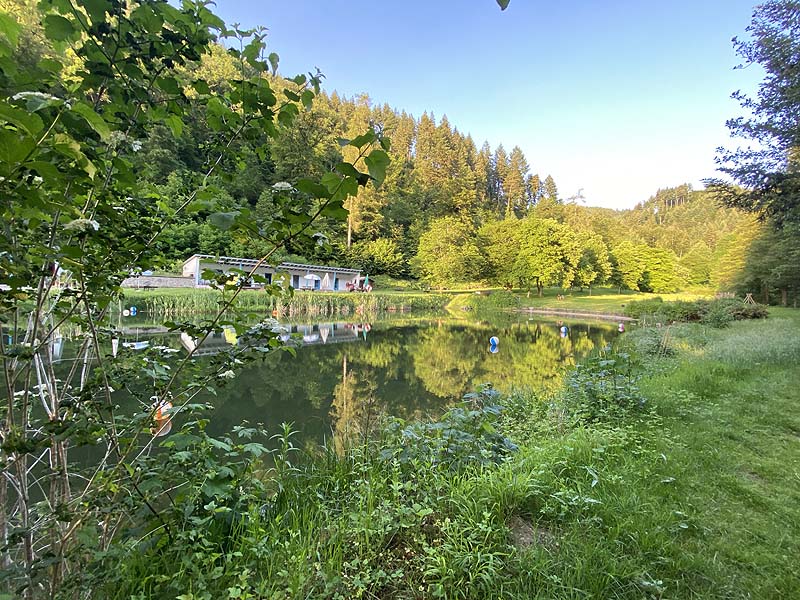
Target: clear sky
{"points": [[615, 98]]}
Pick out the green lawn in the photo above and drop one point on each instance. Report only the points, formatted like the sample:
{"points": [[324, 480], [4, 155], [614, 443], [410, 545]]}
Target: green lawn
{"points": [[607, 300]]}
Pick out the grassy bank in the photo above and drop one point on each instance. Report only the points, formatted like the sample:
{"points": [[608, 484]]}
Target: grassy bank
{"points": [[183, 302], [669, 473], [601, 300]]}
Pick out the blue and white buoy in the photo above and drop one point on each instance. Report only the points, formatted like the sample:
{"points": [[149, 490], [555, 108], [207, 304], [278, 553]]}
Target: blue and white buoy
{"points": [[493, 343]]}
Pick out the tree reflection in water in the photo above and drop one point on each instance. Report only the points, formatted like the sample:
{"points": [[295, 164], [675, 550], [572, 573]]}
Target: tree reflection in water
{"points": [[343, 382]]}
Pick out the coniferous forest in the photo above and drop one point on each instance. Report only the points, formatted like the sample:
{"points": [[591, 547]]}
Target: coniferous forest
{"points": [[453, 211]]}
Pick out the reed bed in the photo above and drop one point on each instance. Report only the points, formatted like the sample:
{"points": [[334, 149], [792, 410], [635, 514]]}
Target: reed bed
{"points": [[182, 302]]}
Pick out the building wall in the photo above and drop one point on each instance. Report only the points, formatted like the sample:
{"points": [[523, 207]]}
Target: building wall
{"points": [[158, 282]]}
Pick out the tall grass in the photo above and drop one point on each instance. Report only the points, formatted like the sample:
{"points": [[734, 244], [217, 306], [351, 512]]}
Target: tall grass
{"points": [[184, 302]]}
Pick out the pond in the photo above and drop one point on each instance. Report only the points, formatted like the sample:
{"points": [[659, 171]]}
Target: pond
{"points": [[345, 376]]}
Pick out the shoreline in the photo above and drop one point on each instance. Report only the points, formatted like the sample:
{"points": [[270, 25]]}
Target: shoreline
{"points": [[572, 313]]}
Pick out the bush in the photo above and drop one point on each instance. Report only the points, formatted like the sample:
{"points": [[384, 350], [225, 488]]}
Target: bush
{"points": [[717, 313]]}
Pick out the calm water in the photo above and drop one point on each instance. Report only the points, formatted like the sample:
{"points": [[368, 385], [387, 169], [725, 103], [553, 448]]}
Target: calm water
{"points": [[346, 375]]}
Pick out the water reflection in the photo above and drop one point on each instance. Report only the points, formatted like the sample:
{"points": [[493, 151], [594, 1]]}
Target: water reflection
{"points": [[346, 376]]}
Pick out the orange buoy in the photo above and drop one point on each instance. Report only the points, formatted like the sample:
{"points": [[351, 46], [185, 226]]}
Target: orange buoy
{"points": [[163, 421]]}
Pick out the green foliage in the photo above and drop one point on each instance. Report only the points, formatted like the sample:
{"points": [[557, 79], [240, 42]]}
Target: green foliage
{"points": [[448, 253], [500, 241], [770, 265], [660, 271], [490, 301], [104, 83], [548, 254], [769, 177], [717, 313], [629, 265], [594, 265], [381, 256], [603, 388], [463, 436]]}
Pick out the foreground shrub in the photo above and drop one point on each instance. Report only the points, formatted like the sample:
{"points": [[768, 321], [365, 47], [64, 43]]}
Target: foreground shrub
{"points": [[603, 387], [464, 435]]}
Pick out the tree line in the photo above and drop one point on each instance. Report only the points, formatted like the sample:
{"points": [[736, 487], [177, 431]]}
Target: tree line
{"points": [[439, 184]]}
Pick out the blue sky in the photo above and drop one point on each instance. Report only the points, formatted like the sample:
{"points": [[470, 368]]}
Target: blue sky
{"points": [[612, 97]]}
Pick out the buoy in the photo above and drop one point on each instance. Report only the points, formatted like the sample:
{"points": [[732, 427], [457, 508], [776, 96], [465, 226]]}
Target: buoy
{"points": [[134, 310], [163, 421], [494, 349], [494, 341], [126, 313], [621, 327], [564, 331]]}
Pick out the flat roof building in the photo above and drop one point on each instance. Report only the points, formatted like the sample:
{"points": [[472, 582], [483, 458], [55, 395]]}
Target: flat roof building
{"points": [[301, 276]]}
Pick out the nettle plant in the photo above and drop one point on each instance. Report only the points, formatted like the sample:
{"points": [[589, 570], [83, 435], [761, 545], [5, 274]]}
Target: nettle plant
{"points": [[75, 223]]}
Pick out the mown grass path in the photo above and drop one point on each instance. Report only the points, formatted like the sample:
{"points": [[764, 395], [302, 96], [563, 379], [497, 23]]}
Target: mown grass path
{"points": [[733, 402]]}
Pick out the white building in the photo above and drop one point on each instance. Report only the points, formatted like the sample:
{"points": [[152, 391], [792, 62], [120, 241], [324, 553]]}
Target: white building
{"points": [[301, 276], [222, 265]]}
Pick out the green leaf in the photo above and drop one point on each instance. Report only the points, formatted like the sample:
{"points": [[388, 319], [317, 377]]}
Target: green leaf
{"points": [[312, 188], [201, 87], [97, 9], [273, 62], [175, 125], [363, 140], [223, 220], [50, 65], [21, 119], [94, 120], [335, 210], [145, 15], [169, 85], [59, 29], [308, 99], [199, 205], [45, 169], [36, 101], [9, 28], [253, 50], [347, 169], [331, 181], [287, 114], [376, 162]]}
